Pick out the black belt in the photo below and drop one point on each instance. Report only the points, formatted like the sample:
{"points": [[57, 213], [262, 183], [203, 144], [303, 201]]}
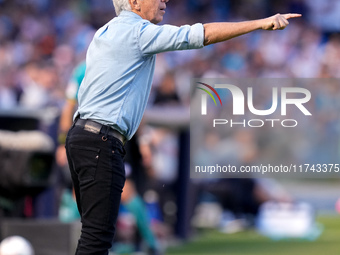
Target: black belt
{"points": [[95, 127]]}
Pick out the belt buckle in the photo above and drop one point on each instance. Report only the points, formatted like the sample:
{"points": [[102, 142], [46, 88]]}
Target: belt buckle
{"points": [[91, 128]]}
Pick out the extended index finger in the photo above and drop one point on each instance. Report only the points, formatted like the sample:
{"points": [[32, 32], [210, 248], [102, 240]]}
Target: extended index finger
{"points": [[291, 15]]}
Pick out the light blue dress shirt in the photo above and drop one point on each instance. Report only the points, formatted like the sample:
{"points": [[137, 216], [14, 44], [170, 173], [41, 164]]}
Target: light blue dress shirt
{"points": [[120, 64]]}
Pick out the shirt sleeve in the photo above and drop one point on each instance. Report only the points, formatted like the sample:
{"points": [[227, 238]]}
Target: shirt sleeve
{"points": [[155, 39]]}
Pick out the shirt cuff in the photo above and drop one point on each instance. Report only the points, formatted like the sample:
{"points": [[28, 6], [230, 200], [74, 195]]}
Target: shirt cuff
{"points": [[196, 36]]}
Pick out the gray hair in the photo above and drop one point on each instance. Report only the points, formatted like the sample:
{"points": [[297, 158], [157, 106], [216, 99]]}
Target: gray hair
{"points": [[121, 5]]}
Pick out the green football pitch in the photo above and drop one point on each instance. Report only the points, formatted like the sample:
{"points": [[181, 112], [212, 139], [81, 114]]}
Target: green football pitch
{"points": [[211, 242]]}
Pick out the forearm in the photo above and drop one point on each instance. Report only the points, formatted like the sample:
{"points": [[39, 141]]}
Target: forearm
{"points": [[219, 32], [66, 116]]}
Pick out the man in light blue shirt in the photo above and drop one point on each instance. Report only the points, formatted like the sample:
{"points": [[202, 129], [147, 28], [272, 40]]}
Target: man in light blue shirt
{"points": [[112, 98], [118, 80]]}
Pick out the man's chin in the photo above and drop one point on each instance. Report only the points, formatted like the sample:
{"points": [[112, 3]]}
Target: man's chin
{"points": [[157, 20]]}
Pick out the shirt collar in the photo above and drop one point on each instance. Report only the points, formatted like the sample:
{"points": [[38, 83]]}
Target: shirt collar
{"points": [[130, 14]]}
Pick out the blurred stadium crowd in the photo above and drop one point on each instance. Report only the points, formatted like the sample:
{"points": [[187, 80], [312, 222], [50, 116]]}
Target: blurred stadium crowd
{"points": [[41, 41]]}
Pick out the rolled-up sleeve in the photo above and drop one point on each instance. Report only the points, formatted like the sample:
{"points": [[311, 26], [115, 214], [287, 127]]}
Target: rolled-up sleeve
{"points": [[155, 39]]}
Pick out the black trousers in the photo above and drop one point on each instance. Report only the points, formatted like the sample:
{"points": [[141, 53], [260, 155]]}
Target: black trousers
{"points": [[98, 175]]}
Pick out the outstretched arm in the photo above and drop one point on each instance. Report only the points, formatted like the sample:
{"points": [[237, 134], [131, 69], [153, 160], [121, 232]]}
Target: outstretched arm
{"points": [[219, 32]]}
